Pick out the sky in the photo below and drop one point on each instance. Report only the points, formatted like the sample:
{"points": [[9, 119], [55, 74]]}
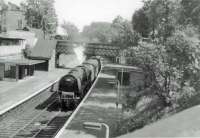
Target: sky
{"points": [[83, 12]]}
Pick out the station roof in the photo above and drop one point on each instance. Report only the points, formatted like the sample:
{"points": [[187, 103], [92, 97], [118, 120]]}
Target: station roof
{"points": [[43, 49], [102, 75], [124, 67], [9, 37], [22, 61]]}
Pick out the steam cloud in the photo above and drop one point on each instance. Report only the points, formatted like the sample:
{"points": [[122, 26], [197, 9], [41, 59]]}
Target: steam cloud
{"points": [[79, 51]]}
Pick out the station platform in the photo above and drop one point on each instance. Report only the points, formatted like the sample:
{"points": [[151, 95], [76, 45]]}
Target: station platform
{"points": [[101, 105], [15, 93]]}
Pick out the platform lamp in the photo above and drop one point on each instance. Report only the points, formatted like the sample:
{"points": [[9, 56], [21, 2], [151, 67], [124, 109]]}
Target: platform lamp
{"points": [[117, 83], [96, 126]]}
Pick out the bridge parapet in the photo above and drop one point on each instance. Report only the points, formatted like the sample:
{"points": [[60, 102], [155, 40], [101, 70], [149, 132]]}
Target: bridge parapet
{"points": [[90, 49], [65, 47], [102, 50]]}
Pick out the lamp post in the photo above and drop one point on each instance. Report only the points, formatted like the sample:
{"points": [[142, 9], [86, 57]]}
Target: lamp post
{"points": [[97, 126], [118, 92], [117, 83], [122, 75]]}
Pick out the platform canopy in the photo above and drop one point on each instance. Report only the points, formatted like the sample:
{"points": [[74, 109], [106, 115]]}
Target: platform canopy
{"points": [[124, 67], [22, 61]]}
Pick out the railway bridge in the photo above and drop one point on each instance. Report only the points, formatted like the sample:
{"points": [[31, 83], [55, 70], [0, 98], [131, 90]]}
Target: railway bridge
{"points": [[107, 51]]}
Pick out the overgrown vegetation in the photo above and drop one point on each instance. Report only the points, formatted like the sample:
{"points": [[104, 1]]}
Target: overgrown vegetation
{"points": [[170, 59], [119, 33]]}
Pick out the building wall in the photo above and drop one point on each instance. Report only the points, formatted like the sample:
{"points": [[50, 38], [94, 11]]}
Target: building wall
{"points": [[10, 50], [10, 71], [12, 20], [135, 79], [6, 50], [29, 37], [42, 66], [132, 79], [52, 61], [2, 68]]}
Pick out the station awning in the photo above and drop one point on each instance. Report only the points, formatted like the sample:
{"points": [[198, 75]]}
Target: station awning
{"points": [[124, 67], [102, 75], [22, 61]]}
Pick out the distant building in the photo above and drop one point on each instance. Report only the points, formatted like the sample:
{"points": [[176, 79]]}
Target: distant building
{"points": [[11, 17]]}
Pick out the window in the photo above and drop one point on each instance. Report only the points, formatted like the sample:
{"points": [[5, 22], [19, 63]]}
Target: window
{"points": [[20, 24]]}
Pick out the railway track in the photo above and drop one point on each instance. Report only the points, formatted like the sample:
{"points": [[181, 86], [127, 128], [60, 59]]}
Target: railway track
{"points": [[40, 117], [52, 127]]}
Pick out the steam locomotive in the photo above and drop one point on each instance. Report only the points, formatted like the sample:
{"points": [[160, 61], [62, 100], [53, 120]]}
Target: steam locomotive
{"points": [[74, 85]]}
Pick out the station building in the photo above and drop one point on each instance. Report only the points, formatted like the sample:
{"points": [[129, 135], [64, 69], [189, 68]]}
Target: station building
{"points": [[12, 16], [14, 65], [15, 37]]}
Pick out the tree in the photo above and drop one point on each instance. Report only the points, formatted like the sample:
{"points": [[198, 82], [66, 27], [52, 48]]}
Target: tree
{"points": [[171, 61], [190, 12], [119, 32], [123, 34], [170, 68], [41, 14], [71, 30], [157, 18], [98, 32], [140, 23]]}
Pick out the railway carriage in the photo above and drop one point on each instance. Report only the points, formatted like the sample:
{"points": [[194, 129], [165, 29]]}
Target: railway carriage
{"points": [[91, 68], [95, 63], [98, 58]]}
